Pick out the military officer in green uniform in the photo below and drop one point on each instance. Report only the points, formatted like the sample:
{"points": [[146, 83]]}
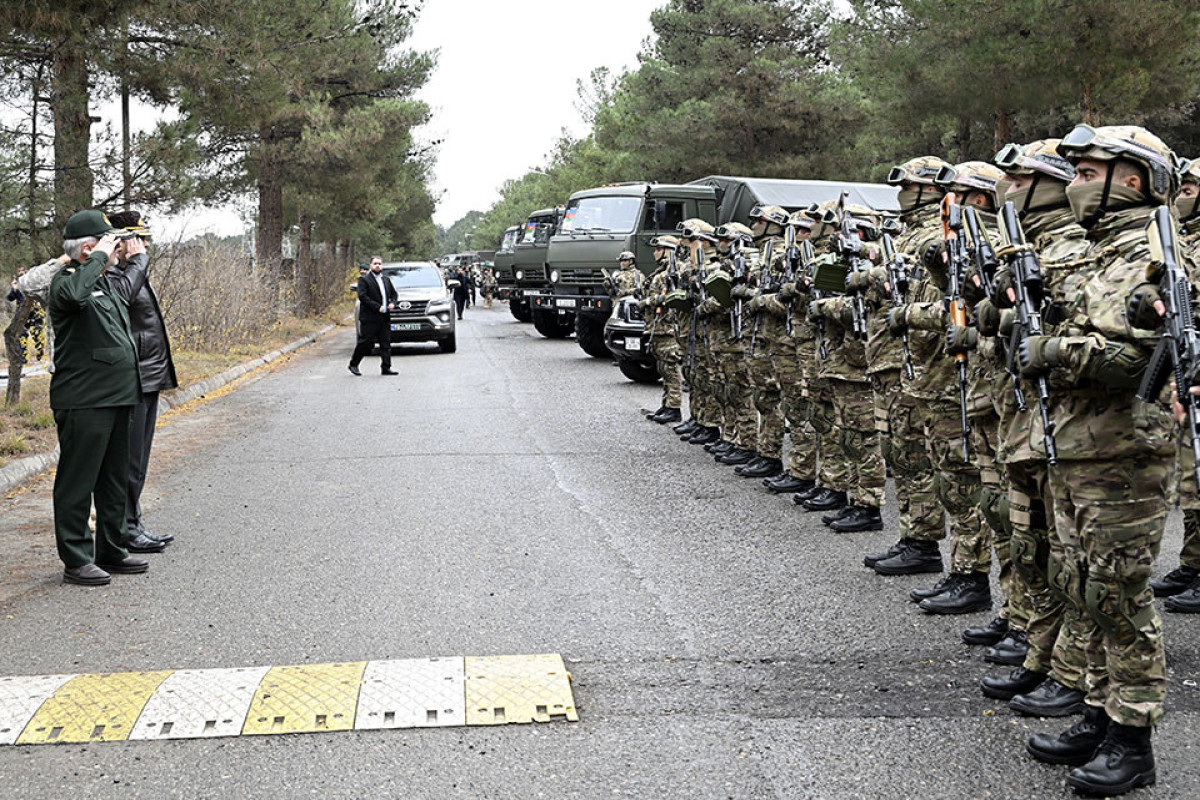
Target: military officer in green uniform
{"points": [[92, 394]]}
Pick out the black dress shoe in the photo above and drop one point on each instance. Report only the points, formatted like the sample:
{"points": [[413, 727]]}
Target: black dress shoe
{"points": [[1010, 650], [871, 559], [388, 372], [666, 416], [860, 518], [687, 427], [825, 500], [1050, 699], [1186, 602], [719, 448], [970, 593], [1122, 762], [141, 543], [787, 483], [799, 497], [766, 468], [165, 538], [948, 580], [916, 557], [1174, 582], [128, 566], [736, 456], [355, 371], [87, 575], [988, 634], [1005, 687], [705, 436], [1076, 745], [830, 517]]}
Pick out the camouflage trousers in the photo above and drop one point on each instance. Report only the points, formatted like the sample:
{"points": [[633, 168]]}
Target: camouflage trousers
{"points": [[854, 410], [802, 439], [1189, 556], [1057, 640], [739, 418], [994, 506], [666, 358], [899, 418], [767, 399], [1189, 501], [832, 470], [1114, 512], [958, 487], [697, 372]]}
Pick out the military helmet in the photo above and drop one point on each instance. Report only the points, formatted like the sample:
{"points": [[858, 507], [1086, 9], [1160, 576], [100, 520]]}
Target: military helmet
{"points": [[625, 255], [696, 228], [773, 214], [970, 175], [669, 242], [733, 230], [1131, 142], [923, 169], [1189, 170], [1040, 157], [825, 212]]}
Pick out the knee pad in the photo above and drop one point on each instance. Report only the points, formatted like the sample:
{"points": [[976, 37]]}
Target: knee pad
{"points": [[1023, 548], [958, 493], [1065, 576], [992, 502]]}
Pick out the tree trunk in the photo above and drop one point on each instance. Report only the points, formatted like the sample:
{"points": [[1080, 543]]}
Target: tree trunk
{"points": [[1091, 114], [305, 274], [32, 215], [12, 347], [269, 247], [72, 131], [1003, 129]]}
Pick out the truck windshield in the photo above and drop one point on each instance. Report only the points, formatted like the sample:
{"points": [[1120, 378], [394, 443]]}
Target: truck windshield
{"points": [[510, 241], [617, 214], [537, 231], [416, 277]]}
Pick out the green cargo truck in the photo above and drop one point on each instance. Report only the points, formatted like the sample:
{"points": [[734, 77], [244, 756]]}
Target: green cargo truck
{"points": [[502, 266], [529, 271]]}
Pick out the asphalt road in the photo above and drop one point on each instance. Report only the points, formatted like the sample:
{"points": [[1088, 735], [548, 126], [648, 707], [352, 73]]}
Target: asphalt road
{"points": [[511, 499]]}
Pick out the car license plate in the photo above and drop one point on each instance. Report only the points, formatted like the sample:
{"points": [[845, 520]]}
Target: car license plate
{"points": [[633, 344], [532, 293], [566, 303], [406, 326]]}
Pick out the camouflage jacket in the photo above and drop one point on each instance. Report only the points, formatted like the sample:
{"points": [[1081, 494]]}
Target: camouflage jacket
{"points": [[661, 322], [1095, 413], [923, 245], [771, 318], [626, 281]]}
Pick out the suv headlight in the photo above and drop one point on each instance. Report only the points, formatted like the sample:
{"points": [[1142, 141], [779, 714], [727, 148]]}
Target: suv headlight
{"points": [[438, 305]]}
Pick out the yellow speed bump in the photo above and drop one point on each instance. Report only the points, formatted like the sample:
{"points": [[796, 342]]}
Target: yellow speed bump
{"points": [[93, 708], [306, 699], [505, 689]]}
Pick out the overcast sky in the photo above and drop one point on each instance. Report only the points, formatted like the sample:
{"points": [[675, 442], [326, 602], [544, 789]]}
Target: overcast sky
{"points": [[505, 84]]}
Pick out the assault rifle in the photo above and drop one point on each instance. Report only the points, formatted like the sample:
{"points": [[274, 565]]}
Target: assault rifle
{"points": [[791, 255], [764, 277], [739, 279], [699, 295], [850, 246], [1179, 347], [897, 276], [981, 249], [807, 256], [1029, 286], [956, 253]]}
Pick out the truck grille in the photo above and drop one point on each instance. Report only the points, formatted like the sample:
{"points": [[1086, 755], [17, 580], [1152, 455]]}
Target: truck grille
{"points": [[581, 277]]}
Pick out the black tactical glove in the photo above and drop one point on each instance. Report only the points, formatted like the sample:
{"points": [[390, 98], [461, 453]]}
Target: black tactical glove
{"points": [[1140, 309], [1037, 355], [897, 322], [987, 317], [814, 310], [960, 339]]}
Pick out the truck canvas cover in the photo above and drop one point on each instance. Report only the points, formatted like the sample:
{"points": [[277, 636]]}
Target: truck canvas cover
{"points": [[737, 196]]}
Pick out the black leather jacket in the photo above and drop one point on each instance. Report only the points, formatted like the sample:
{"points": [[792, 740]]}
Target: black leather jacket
{"points": [[130, 280]]}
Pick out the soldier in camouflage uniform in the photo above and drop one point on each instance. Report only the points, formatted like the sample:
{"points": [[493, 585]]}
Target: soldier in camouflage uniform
{"points": [[627, 280], [908, 409], [1181, 586], [1043, 620], [663, 328], [845, 368], [1113, 498], [700, 242]]}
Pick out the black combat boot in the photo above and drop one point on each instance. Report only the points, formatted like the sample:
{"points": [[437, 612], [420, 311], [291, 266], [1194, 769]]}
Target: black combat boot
{"points": [[799, 497], [666, 415], [988, 634], [916, 557], [970, 593], [766, 468], [787, 483], [1176, 581], [1186, 602], [1122, 762], [652, 414], [871, 559], [1010, 650], [825, 500], [687, 428], [1074, 746], [719, 448], [705, 436], [859, 518], [948, 580], [1050, 699], [1005, 687], [736, 456], [751, 463], [836, 514]]}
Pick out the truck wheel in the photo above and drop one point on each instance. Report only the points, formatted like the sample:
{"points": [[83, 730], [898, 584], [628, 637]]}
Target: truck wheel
{"points": [[589, 333], [520, 310], [547, 324], [638, 371], [449, 344]]}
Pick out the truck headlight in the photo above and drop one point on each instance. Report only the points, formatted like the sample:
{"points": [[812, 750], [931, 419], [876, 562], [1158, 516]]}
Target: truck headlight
{"points": [[520, 274], [554, 276]]}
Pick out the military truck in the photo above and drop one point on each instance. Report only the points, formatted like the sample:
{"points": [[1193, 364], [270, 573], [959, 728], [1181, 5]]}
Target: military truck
{"points": [[597, 225], [529, 272], [502, 265]]}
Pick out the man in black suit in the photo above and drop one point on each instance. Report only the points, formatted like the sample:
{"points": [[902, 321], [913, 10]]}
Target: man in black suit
{"points": [[376, 298]]}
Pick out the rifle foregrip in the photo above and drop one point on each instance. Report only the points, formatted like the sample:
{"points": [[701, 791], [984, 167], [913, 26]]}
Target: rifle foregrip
{"points": [[1157, 371]]}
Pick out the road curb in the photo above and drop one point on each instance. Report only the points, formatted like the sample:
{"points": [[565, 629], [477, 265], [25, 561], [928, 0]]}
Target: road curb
{"points": [[22, 470]]}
